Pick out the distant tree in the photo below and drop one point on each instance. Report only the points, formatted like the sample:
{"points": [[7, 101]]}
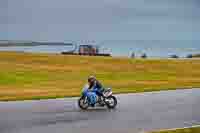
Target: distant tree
{"points": [[133, 55], [174, 56], [196, 55], [189, 56], [144, 56]]}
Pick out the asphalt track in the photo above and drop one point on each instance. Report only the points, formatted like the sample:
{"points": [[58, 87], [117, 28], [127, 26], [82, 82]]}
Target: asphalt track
{"points": [[135, 113]]}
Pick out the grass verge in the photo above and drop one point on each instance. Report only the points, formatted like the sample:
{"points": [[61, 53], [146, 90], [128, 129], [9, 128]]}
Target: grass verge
{"points": [[40, 76], [184, 130]]}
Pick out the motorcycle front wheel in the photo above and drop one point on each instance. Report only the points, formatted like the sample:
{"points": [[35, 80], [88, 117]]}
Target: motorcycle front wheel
{"points": [[111, 102], [83, 103]]}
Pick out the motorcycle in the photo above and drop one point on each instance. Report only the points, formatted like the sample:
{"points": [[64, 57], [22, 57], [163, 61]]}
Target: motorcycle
{"points": [[90, 98]]}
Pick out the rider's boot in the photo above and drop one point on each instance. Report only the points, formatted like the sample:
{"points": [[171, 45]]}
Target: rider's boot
{"points": [[101, 103], [92, 105]]}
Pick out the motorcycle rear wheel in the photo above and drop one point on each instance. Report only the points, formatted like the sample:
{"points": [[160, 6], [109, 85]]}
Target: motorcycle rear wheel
{"points": [[111, 102]]}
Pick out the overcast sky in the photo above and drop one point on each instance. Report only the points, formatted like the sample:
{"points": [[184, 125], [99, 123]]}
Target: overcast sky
{"points": [[63, 20]]}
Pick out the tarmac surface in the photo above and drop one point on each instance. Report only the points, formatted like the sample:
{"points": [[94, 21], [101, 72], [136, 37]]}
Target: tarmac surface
{"points": [[135, 113]]}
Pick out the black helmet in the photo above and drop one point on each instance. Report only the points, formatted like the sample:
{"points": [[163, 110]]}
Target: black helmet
{"points": [[91, 78]]}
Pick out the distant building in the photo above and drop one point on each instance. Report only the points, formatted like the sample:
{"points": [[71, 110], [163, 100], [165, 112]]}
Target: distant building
{"points": [[88, 50], [91, 50]]}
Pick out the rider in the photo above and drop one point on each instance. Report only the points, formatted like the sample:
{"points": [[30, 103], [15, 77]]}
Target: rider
{"points": [[95, 84]]}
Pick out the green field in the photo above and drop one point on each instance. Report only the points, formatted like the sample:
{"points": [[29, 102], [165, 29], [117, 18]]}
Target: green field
{"points": [[185, 130], [36, 76]]}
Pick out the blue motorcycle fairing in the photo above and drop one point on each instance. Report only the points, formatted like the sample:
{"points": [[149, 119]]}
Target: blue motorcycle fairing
{"points": [[91, 95]]}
